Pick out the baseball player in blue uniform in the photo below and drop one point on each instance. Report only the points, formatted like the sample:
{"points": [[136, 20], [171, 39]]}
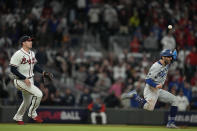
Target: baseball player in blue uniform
{"points": [[153, 89], [23, 63]]}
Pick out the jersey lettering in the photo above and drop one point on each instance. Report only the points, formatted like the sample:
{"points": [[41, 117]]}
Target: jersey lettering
{"points": [[158, 73], [161, 74], [24, 61]]}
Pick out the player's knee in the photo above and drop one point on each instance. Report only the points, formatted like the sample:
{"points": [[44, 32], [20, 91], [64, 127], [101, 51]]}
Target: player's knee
{"points": [[39, 94], [148, 106], [103, 114], [93, 114]]}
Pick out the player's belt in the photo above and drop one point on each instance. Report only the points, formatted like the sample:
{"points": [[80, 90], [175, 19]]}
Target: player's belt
{"points": [[26, 78]]}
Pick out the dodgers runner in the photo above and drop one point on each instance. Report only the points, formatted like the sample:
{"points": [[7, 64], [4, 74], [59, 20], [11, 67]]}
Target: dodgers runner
{"points": [[153, 89]]}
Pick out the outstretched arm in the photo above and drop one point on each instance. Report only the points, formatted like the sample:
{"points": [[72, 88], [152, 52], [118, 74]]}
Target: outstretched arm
{"points": [[44, 73], [38, 68]]}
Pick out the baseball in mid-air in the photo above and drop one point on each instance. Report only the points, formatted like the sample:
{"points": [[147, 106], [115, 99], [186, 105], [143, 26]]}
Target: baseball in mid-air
{"points": [[169, 26]]}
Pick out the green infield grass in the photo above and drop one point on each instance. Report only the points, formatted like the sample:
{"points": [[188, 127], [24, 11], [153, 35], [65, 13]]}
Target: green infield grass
{"points": [[78, 127]]}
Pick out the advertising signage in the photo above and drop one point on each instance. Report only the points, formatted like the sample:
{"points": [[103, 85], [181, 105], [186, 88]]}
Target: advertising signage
{"points": [[184, 118], [63, 115]]}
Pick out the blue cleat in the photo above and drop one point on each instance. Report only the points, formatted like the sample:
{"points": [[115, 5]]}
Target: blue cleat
{"points": [[171, 125], [129, 95]]}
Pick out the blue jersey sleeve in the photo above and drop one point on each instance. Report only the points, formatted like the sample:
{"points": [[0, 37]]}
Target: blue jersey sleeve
{"points": [[151, 82]]}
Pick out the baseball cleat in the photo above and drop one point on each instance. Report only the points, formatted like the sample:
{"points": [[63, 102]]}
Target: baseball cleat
{"points": [[171, 125], [20, 122], [38, 119], [129, 95]]}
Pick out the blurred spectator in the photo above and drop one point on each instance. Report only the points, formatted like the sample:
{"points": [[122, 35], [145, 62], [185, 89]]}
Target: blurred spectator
{"points": [[173, 90], [187, 90], [168, 41], [140, 37], [150, 43], [80, 76], [3, 93], [157, 31], [92, 78], [55, 98], [61, 64], [194, 96], [72, 15], [81, 4], [182, 53], [123, 18], [94, 19], [126, 102], [181, 40], [191, 62], [3, 60], [183, 103], [45, 91], [103, 84], [56, 6], [76, 27], [117, 88], [134, 21], [175, 82], [119, 71], [68, 99], [5, 41], [41, 56], [112, 101], [53, 24], [43, 35], [110, 16], [37, 10], [54, 94], [97, 108], [194, 79], [85, 98], [135, 45], [47, 11], [95, 94]]}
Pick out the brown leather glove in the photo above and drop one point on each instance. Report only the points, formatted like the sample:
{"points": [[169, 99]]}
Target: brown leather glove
{"points": [[48, 75]]}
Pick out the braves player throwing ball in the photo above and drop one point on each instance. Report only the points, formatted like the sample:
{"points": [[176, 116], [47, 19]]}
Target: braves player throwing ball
{"points": [[23, 63], [153, 89]]}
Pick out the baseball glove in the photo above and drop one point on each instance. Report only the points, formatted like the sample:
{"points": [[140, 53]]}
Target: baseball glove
{"points": [[48, 75]]}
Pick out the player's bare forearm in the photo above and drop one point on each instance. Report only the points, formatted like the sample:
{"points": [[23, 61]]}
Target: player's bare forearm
{"points": [[159, 86]]}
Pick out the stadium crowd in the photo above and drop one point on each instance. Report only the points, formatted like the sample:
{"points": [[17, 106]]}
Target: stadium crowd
{"points": [[62, 29]]}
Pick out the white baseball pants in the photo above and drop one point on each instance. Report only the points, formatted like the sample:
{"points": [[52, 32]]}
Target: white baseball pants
{"points": [[151, 95], [101, 114], [31, 95]]}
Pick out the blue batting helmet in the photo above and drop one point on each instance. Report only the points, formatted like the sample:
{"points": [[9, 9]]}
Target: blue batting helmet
{"points": [[166, 52]]}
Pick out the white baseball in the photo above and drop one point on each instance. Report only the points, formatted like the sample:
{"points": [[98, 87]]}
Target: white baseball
{"points": [[169, 26]]}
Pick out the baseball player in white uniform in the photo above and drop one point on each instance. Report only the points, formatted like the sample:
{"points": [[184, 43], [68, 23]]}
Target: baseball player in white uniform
{"points": [[153, 89], [23, 63]]}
